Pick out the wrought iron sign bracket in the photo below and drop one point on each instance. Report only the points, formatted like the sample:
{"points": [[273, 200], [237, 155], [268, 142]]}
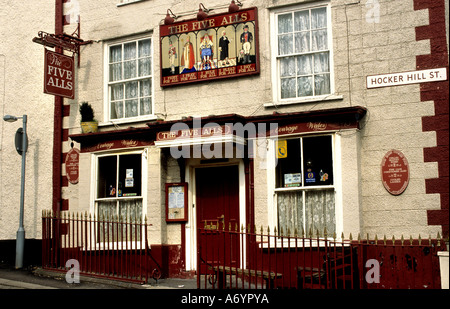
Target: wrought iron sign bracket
{"points": [[65, 41]]}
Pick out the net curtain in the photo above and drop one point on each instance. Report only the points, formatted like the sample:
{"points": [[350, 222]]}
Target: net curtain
{"points": [[304, 35]]}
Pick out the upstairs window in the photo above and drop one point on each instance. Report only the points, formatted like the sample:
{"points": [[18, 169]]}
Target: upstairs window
{"points": [[303, 53], [130, 80]]}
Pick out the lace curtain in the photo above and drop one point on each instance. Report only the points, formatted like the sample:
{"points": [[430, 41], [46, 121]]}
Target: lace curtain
{"points": [[129, 211], [318, 214], [129, 61], [303, 41]]}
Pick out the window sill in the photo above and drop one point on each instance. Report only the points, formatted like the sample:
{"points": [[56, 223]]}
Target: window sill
{"points": [[114, 198], [304, 188], [288, 102], [129, 2], [116, 122]]}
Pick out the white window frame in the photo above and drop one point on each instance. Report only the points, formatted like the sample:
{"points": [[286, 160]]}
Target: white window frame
{"points": [[126, 2], [94, 189], [275, 65], [336, 186], [107, 91]]}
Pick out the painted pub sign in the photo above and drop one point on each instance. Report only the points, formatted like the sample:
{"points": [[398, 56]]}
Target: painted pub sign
{"points": [[59, 75], [221, 46]]}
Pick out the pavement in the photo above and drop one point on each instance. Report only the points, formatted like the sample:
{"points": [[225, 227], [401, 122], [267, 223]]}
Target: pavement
{"points": [[38, 278]]}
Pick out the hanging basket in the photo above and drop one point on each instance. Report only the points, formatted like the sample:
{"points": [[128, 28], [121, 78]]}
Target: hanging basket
{"points": [[89, 127]]}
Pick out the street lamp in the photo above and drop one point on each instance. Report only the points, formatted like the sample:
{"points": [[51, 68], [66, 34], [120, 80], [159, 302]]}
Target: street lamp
{"points": [[20, 236]]}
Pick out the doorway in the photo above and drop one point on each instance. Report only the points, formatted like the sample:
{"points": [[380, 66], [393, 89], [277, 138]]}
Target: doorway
{"points": [[217, 206]]}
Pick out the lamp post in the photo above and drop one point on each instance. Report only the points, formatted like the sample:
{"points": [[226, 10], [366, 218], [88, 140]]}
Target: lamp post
{"points": [[20, 236]]}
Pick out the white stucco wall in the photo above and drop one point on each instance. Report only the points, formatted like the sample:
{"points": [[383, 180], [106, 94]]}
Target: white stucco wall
{"points": [[21, 92]]}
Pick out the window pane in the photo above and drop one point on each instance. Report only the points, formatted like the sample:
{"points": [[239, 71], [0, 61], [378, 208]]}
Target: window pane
{"points": [[319, 18], [131, 90], [106, 209], [115, 54], [117, 110], [319, 40], [285, 23], [129, 69], [106, 186], [131, 108], [288, 170], [322, 84], [144, 67], [131, 209], [287, 66], [321, 63], [304, 85], [116, 92], [144, 48], [129, 51], [304, 65], [145, 88], [115, 72], [302, 42], [146, 106], [130, 175], [290, 211], [301, 21], [285, 44], [320, 212], [288, 88], [318, 161]]}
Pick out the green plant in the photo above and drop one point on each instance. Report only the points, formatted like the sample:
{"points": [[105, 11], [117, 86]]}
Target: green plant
{"points": [[86, 112]]}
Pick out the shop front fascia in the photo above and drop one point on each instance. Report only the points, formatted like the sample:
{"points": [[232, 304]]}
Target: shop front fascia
{"points": [[218, 162]]}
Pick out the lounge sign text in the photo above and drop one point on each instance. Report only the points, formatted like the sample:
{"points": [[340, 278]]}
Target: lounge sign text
{"points": [[221, 46], [59, 74]]}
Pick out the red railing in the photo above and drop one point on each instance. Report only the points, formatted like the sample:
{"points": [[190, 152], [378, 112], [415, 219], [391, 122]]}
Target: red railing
{"points": [[253, 259], [109, 247]]}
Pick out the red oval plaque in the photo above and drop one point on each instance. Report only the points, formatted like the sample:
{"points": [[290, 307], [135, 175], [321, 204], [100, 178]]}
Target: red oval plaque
{"points": [[395, 172], [72, 163]]}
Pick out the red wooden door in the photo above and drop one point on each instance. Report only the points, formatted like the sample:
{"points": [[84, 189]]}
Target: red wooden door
{"points": [[217, 194]]}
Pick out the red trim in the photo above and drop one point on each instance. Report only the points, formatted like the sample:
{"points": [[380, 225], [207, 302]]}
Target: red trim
{"points": [[57, 125], [437, 92]]}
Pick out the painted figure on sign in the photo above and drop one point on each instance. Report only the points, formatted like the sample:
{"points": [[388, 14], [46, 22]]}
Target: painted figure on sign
{"points": [[246, 40], [172, 56], [188, 59], [223, 48], [206, 52]]}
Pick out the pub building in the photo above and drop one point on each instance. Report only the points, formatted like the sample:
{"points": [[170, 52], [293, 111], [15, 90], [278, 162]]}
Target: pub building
{"points": [[276, 114]]}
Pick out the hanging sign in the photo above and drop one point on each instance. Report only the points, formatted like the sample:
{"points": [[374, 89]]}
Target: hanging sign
{"points": [[59, 75], [72, 165], [221, 46], [395, 172]]}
